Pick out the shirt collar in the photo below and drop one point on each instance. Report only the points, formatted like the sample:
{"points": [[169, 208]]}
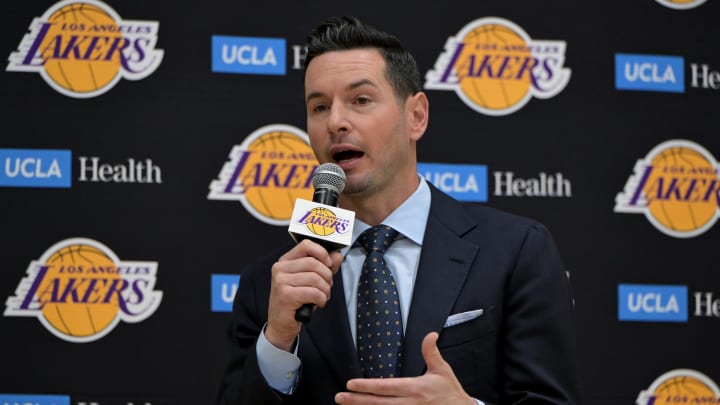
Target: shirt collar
{"points": [[409, 219]]}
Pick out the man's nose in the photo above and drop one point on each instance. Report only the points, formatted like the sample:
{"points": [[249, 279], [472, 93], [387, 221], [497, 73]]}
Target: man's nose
{"points": [[338, 122]]}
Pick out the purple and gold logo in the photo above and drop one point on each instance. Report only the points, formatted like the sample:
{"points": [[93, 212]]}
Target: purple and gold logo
{"points": [[323, 222], [677, 187], [80, 290], [267, 172], [83, 48], [496, 68], [681, 386]]}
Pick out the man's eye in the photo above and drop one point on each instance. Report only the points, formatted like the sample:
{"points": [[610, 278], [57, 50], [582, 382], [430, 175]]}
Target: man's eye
{"points": [[362, 100], [319, 108]]}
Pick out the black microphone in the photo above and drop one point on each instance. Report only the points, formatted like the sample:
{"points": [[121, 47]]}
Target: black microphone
{"points": [[328, 181]]}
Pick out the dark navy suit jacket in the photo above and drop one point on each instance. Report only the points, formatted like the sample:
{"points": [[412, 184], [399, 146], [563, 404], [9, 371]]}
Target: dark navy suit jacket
{"points": [[520, 350]]}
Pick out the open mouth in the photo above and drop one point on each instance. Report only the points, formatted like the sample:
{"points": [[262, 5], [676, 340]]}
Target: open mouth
{"points": [[346, 155]]}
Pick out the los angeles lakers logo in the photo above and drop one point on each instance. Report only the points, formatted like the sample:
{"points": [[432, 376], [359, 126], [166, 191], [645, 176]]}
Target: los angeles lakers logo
{"points": [[496, 68], [681, 4], [323, 222], [681, 386], [83, 48], [267, 172], [677, 187], [80, 290]]}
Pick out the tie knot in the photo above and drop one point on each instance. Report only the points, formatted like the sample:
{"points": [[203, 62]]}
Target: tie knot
{"points": [[377, 238]]}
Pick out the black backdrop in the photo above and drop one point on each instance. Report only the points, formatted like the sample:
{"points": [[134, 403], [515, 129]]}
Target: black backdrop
{"points": [[186, 119]]}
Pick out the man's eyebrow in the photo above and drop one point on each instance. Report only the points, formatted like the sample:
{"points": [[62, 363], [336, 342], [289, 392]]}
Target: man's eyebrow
{"points": [[315, 94], [360, 83], [351, 86]]}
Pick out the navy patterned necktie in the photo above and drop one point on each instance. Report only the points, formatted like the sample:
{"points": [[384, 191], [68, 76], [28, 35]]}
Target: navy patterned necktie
{"points": [[379, 322]]}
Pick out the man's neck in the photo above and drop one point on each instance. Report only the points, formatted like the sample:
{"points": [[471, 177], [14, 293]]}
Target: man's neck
{"points": [[375, 208]]}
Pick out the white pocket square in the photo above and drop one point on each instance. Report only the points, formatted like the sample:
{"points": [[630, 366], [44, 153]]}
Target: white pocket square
{"points": [[463, 317]]}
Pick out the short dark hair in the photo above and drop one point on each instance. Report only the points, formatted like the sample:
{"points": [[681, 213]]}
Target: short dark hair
{"points": [[347, 32]]}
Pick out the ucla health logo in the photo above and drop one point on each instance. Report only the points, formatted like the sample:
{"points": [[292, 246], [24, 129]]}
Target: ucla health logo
{"points": [[496, 68], [35, 168], [677, 187], [649, 73], [80, 290], [83, 48], [248, 55], [680, 386], [681, 4], [267, 172], [463, 182], [652, 303]]}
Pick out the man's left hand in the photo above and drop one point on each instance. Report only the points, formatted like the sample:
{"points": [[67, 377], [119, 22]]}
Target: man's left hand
{"points": [[437, 386]]}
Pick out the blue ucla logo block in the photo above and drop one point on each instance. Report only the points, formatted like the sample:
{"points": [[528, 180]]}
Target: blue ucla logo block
{"points": [[248, 55], [22, 399], [222, 291], [462, 182], [652, 303], [650, 73], [35, 168]]}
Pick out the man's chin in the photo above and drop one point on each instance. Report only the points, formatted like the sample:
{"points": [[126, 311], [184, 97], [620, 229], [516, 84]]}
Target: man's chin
{"points": [[355, 189]]}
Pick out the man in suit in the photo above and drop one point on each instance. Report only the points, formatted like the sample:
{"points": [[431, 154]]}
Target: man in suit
{"points": [[484, 303]]}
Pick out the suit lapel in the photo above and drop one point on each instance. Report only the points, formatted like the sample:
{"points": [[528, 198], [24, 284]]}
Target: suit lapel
{"points": [[331, 336], [444, 264]]}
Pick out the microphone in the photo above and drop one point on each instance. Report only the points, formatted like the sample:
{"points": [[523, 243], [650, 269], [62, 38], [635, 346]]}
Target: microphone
{"points": [[328, 182], [321, 220]]}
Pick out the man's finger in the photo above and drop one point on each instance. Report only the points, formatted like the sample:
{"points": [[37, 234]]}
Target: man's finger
{"points": [[431, 354], [391, 387], [305, 248]]}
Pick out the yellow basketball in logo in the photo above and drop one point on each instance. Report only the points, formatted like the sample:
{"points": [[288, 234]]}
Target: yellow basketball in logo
{"points": [[278, 170], [73, 61], [680, 386], [672, 201], [486, 48], [68, 280], [322, 222], [683, 389]]}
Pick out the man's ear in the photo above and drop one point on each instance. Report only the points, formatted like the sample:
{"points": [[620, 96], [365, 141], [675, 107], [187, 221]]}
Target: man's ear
{"points": [[417, 109]]}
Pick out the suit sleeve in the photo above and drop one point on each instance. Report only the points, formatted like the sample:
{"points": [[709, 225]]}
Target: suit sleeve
{"points": [[243, 383], [539, 341]]}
